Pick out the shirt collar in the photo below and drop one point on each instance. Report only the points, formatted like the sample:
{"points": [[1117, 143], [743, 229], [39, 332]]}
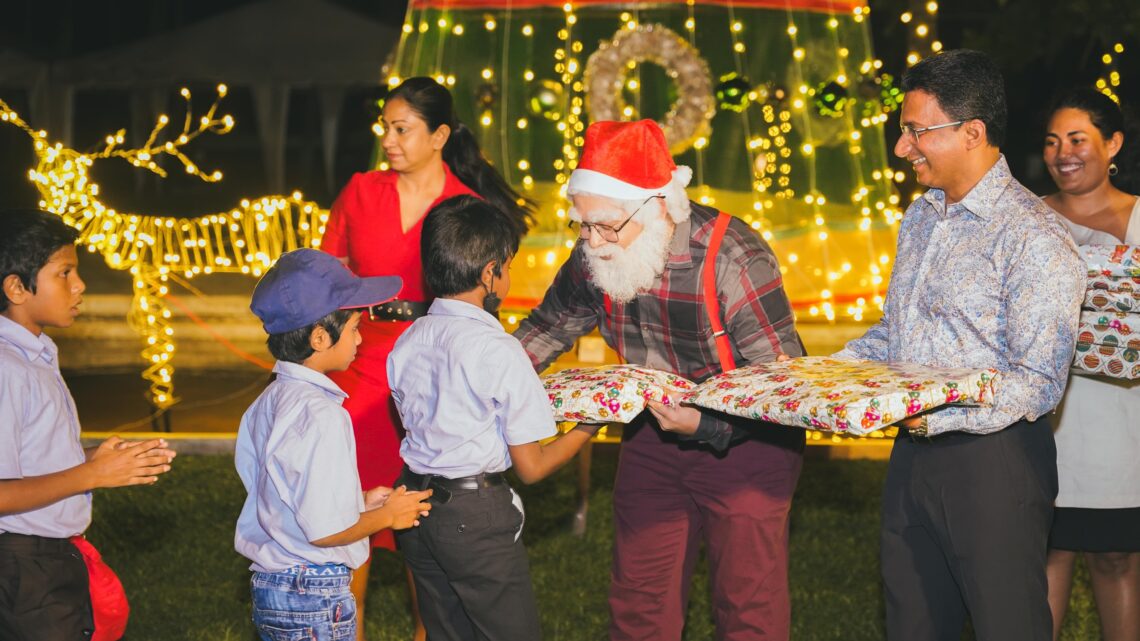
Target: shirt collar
{"points": [[982, 198], [299, 372], [452, 307], [29, 344]]}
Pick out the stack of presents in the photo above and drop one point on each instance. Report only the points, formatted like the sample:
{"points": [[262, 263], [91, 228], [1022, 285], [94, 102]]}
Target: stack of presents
{"points": [[1108, 340]]}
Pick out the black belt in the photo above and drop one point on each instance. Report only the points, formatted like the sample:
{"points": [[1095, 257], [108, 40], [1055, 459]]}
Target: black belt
{"points": [[34, 544], [442, 487], [398, 310]]}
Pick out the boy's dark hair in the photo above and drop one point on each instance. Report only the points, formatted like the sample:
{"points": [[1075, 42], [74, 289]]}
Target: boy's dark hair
{"points": [[28, 238], [460, 236], [294, 346], [967, 85]]}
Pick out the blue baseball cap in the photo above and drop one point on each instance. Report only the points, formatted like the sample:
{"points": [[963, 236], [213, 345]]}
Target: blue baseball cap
{"points": [[305, 285]]}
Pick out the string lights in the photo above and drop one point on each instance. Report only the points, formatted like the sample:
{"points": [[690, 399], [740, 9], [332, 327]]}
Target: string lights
{"points": [[154, 249], [794, 145], [922, 39], [805, 132], [1110, 77]]}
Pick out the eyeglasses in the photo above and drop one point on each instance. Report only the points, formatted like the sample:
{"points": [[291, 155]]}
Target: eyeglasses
{"points": [[914, 133], [608, 233]]}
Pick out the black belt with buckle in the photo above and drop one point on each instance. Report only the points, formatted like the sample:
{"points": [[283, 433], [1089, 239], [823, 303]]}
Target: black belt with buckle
{"points": [[398, 310], [442, 487]]}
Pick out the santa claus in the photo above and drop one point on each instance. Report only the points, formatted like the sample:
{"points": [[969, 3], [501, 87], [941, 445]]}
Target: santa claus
{"points": [[680, 287]]}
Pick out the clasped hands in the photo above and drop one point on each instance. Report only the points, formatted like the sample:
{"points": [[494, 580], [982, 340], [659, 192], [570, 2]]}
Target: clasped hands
{"points": [[406, 507], [116, 463]]}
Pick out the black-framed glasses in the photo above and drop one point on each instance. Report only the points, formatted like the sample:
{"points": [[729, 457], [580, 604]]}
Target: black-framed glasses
{"points": [[915, 132], [609, 233]]}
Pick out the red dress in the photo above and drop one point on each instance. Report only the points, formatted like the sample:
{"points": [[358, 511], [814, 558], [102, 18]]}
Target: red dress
{"points": [[364, 226]]}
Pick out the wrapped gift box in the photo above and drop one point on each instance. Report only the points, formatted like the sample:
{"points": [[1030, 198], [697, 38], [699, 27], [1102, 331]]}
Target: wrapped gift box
{"points": [[1104, 300], [1112, 329], [1108, 344], [610, 394], [1104, 360], [1112, 294], [1116, 284], [1112, 260], [852, 397]]}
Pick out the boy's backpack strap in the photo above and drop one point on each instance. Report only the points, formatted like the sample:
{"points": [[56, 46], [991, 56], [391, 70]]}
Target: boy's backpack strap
{"points": [[712, 303]]}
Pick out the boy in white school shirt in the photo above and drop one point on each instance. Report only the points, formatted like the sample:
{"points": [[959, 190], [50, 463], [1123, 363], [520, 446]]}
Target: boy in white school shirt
{"points": [[305, 522], [46, 477], [472, 407]]}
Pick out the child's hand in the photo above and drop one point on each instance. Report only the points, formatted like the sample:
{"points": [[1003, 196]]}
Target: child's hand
{"points": [[116, 463], [376, 497], [406, 507], [159, 450]]}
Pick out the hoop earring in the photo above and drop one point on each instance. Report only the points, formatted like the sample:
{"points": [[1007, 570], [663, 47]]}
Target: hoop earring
{"points": [[1113, 169]]}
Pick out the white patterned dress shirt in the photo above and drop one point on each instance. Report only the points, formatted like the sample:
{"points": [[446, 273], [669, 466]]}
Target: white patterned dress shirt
{"points": [[992, 281]]}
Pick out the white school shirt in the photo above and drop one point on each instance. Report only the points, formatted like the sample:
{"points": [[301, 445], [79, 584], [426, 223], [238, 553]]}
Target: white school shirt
{"points": [[39, 430], [296, 456], [1097, 425], [466, 390]]}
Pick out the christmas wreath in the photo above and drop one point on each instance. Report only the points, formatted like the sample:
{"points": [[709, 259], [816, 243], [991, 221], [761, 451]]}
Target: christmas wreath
{"points": [[688, 118]]}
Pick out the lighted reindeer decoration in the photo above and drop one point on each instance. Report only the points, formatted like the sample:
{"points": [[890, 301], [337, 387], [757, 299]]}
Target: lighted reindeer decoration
{"points": [[246, 239]]}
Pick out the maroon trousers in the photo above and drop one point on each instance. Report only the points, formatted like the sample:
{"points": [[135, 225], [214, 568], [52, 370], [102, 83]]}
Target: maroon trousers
{"points": [[667, 499]]}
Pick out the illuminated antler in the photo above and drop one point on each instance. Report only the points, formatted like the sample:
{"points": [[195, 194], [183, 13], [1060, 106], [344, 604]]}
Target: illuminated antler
{"points": [[246, 239], [144, 156]]}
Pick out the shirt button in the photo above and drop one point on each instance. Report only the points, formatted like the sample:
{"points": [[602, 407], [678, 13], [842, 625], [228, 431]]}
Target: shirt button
{"points": [[462, 528]]}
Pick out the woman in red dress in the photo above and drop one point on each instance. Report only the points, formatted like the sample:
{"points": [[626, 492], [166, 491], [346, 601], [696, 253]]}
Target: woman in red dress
{"points": [[374, 228]]}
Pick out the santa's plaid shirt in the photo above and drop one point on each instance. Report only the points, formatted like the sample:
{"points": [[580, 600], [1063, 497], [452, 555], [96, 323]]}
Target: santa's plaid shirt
{"points": [[667, 326]]}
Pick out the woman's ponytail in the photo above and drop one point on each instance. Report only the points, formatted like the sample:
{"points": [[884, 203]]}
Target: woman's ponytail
{"points": [[462, 155]]}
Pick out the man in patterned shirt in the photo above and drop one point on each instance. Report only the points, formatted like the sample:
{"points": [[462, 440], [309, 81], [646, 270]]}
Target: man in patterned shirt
{"points": [[684, 474], [985, 276]]}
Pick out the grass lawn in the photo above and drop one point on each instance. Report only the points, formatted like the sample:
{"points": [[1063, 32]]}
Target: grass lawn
{"points": [[172, 545]]}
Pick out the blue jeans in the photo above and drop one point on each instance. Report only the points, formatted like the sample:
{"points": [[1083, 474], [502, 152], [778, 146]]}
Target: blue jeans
{"points": [[304, 603]]}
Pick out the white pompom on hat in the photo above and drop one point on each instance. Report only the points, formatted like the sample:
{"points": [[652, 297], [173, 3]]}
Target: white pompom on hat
{"points": [[630, 161]]}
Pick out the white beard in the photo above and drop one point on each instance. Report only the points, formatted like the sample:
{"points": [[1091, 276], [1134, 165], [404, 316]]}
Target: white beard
{"points": [[623, 273]]}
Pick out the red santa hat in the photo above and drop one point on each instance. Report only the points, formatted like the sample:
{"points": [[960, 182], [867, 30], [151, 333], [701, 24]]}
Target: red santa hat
{"points": [[630, 161]]}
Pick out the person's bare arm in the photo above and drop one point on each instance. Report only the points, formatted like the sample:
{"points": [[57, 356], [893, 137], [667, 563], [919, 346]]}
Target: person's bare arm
{"points": [[535, 461], [400, 511], [115, 463]]}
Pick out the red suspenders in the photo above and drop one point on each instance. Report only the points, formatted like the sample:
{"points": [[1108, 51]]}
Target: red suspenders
{"points": [[712, 304], [708, 287]]}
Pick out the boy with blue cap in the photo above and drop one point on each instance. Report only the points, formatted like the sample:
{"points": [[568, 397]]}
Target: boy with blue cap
{"points": [[305, 521]]}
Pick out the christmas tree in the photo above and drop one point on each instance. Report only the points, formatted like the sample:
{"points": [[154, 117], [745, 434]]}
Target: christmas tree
{"points": [[778, 106]]}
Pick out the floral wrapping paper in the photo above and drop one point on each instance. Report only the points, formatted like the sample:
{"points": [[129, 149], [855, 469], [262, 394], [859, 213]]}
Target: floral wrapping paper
{"points": [[846, 396], [610, 394], [1112, 260], [1108, 344]]}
